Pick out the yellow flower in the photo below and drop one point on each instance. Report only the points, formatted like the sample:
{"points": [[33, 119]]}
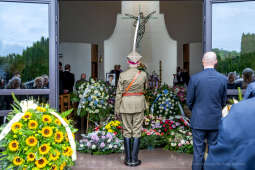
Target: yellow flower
{"points": [[54, 156], [27, 116], [17, 161], [41, 163], [41, 109], [54, 167], [32, 124], [16, 126], [59, 137], [47, 131], [62, 166], [14, 145], [46, 119], [30, 157], [44, 149], [67, 151], [110, 130], [31, 141], [58, 122]]}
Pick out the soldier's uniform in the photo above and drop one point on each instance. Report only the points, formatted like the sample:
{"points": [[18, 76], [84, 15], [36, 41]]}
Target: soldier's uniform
{"points": [[131, 105]]}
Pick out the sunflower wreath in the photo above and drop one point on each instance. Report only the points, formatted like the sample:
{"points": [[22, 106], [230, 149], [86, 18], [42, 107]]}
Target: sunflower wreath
{"points": [[38, 140]]}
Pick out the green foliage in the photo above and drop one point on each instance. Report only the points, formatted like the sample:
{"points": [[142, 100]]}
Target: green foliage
{"points": [[229, 61], [33, 62]]}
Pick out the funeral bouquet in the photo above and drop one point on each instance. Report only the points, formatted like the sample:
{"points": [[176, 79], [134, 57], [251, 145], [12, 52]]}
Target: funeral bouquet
{"points": [[100, 142], [94, 100], [37, 137], [114, 127], [166, 103], [180, 140], [180, 91]]}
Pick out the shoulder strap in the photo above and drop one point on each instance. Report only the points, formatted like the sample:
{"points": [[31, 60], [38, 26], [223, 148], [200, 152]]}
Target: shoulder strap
{"points": [[137, 74]]}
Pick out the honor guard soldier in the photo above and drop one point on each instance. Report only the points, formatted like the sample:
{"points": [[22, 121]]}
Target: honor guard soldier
{"points": [[130, 105]]}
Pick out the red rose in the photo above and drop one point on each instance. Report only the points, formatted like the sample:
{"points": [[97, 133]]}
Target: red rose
{"points": [[165, 130], [164, 125], [162, 134], [115, 133]]}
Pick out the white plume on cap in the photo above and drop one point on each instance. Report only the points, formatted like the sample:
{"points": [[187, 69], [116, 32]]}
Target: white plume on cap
{"points": [[135, 56]]}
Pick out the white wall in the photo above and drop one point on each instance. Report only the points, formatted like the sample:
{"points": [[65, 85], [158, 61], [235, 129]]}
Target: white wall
{"points": [[196, 53], [156, 44], [78, 55]]}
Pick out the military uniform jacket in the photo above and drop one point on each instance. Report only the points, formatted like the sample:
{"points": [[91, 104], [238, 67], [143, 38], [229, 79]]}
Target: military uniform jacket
{"points": [[131, 104]]}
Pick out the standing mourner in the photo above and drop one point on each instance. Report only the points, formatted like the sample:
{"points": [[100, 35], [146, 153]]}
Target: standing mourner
{"points": [[130, 105], [206, 97], [68, 79], [117, 72]]}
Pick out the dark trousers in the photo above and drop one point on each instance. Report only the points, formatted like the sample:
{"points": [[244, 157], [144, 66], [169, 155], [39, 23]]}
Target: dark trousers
{"points": [[199, 137]]}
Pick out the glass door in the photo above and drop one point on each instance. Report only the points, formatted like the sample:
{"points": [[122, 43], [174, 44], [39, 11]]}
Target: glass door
{"points": [[28, 59], [229, 29]]}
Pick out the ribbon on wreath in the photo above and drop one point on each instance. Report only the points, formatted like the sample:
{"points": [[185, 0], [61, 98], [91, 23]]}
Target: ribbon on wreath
{"points": [[18, 116]]}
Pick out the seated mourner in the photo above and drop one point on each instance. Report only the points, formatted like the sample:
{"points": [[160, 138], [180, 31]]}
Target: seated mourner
{"points": [[236, 140], [231, 81], [248, 74]]}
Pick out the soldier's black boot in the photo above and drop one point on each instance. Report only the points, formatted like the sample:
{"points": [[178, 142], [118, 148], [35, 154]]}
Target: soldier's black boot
{"points": [[127, 146], [135, 151]]}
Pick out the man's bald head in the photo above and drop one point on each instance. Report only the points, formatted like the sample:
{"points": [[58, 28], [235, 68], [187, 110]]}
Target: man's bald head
{"points": [[209, 59]]}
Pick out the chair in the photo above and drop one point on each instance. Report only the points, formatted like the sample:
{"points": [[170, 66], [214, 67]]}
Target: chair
{"points": [[64, 102]]}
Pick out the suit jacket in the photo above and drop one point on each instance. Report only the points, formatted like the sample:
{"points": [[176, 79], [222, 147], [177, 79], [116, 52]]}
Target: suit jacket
{"points": [[68, 81], [250, 91], [236, 140], [131, 104], [206, 96]]}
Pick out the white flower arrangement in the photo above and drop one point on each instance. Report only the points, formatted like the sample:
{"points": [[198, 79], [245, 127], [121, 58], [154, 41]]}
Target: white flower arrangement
{"points": [[93, 99]]}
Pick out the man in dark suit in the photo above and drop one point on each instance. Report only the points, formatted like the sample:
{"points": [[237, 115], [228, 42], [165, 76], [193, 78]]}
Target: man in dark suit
{"points": [[206, 97], [68, 79]]}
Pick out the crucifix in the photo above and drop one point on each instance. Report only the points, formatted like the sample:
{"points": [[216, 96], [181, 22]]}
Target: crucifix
{"points": [[141, 28]]}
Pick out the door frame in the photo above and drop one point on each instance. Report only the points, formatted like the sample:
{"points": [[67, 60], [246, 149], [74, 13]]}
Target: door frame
{"points": [[53, 59], [207, 21]]}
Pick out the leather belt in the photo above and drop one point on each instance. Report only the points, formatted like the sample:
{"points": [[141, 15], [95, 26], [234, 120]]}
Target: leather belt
{"points": [[132, 94]]}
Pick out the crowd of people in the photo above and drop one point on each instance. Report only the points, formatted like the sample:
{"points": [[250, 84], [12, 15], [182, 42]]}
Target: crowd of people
{"points": [[40, 82], [235, 81]]}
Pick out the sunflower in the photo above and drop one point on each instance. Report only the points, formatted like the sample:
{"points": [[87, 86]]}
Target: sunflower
{"points": [[32, 124], [58, 122], [31, 141], [46, 119], [47, 131], [27, 116], [54, 167], [16, 126], [41, 163], [30, 157], [14, 145], [59, 137], [17, 161], [67, 151], [54, 156], [62, 166], [44, 149], [41, 109]]}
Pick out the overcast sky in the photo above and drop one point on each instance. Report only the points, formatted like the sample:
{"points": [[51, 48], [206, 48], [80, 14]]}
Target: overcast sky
{"points": [[229, 21], [21, 24]]}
